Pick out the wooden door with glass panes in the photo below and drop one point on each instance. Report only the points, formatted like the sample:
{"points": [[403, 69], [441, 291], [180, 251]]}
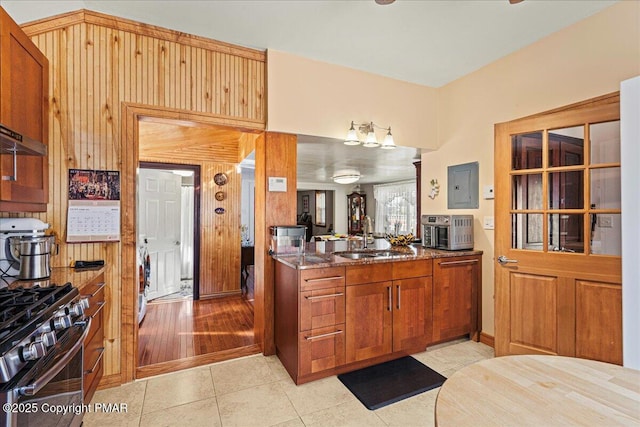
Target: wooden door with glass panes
{"points": [[558, 233]]}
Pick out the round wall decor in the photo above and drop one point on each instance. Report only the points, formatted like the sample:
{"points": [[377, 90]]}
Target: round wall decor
{"points": [[220, 196], [220, 178]]}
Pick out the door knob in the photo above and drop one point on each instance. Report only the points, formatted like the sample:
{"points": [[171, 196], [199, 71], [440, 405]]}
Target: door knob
{"points": [[504, 260]]}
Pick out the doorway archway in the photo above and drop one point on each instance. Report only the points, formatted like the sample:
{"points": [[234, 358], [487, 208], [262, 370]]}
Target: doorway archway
{"points": [[132, 115]]}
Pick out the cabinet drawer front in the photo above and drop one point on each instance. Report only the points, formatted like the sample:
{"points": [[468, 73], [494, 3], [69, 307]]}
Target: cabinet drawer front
{"points": [[91, 382], [321, 349], [319, 278], [96, 325], [369, 273], [95, 293], [320, 308], [409, 269]]}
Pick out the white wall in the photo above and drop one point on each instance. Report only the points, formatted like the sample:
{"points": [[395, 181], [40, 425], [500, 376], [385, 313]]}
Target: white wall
{"points": [[582, 61], [630, 151], [308, 97], [339, 202]]}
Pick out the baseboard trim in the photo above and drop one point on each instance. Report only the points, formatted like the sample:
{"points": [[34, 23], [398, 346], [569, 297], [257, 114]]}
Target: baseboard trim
{"points": [[109, 381], [487, 339]]}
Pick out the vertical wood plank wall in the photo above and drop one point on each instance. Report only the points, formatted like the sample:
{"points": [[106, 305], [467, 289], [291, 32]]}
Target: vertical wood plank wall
{"points": [[97, 63]]}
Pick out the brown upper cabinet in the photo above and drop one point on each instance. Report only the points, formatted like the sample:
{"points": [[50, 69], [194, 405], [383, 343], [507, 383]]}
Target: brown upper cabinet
{"points": [[24, 87]]}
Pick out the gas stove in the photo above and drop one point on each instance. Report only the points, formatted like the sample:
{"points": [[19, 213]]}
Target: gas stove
{"points": [[32, 320], [42, 330]]}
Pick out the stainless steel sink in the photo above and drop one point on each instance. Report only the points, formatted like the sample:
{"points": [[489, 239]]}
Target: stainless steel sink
{"points": [[355, 255], [372, 254]]}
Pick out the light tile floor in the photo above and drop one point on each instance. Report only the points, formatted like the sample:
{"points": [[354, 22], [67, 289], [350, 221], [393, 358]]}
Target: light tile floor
{"points": [[257, 391]]}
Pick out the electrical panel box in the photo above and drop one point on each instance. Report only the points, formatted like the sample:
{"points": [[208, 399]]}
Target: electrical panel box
{"points": [[462, 186]]}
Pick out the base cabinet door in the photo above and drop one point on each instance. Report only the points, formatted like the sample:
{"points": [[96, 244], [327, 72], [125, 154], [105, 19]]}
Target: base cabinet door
{"points": [[369, 315], [412, 320], [321, 349], [455, 296]]}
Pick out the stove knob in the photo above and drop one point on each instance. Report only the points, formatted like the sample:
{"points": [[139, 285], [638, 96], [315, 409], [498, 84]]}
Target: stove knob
{"points": [[78, 308], [33, 351], [62, 322], [47, 338]]}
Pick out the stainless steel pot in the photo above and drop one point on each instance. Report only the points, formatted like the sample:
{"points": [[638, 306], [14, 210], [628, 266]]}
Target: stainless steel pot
{"points": [[34, 253]]}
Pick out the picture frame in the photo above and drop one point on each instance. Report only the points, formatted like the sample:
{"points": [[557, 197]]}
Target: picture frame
{"points": [[305, 203]]}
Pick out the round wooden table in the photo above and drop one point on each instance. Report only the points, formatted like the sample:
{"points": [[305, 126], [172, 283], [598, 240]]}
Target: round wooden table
{"points": [[537, 391]]}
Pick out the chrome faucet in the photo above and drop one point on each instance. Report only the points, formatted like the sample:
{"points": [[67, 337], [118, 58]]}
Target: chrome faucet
{"points": [[367, 228]]}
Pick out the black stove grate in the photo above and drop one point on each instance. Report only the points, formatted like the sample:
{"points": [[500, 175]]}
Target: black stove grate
{"points": [[23, 309]]}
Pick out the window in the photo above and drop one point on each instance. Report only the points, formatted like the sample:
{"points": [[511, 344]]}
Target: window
{"points": [[551, 209], [395, 208], [321, 208]]}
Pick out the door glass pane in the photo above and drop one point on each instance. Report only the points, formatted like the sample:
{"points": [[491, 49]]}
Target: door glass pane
{"points": [[526, 151], [566, 190], [526, 231], [566, 146], [606, 232], [566, 232], [605, 142], [605, 188], [527, 191]]}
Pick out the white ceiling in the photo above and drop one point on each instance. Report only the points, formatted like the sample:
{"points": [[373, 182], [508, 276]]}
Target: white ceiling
{"points": [[321, 158], [428, 42]]}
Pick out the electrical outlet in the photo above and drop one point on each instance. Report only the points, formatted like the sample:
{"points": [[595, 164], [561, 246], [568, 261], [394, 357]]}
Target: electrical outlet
{"points": [[604, 221]]}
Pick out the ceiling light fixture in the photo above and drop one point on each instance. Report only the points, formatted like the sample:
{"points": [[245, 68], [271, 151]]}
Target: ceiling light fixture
{"points": [[370, 140], [346, 177]]}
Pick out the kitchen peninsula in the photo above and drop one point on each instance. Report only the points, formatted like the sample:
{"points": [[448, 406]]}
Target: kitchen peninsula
{"points": [[340, 307]]}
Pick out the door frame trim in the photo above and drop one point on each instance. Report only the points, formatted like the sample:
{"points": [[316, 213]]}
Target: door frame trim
{"points": [[196, 213], [130, 115]]}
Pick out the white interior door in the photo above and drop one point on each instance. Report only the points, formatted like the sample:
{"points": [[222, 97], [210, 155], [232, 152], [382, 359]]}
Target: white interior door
{"points": [[159, 216]]}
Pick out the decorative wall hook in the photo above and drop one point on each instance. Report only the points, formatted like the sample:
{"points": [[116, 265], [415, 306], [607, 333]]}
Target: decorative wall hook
{"points": [[435, 189]]}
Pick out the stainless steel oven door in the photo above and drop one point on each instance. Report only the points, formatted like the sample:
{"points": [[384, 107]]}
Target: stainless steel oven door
{"points": [[54, 396], [442, 237]]}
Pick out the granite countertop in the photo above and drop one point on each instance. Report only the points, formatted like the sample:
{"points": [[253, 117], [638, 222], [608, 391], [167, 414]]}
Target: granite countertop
{"points": [[59, 276], [321, 254]]}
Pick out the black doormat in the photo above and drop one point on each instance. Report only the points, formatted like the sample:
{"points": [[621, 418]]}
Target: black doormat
{"points": [[389, 382]]}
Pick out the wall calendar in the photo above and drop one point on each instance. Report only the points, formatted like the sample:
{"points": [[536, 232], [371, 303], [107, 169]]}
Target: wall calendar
{"points": [[94, 206]]}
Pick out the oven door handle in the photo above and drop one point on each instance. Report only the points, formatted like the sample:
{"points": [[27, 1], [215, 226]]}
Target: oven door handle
{"points": [[39, 384]]}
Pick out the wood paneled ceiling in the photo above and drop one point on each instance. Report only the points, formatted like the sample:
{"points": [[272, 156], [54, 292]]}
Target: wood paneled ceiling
{"points": [[187, 140]]}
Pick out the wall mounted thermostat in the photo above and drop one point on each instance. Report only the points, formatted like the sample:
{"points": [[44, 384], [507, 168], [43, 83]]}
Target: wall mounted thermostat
{"points": [[277, 183], [487, 191]]}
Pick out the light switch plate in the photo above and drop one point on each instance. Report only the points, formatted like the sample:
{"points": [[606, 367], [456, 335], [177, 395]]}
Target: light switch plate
{"points": [[487, 223], [487, 191]]}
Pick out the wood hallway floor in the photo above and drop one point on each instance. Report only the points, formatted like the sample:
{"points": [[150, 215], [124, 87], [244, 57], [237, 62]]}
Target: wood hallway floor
{"points": [[175, 330]]}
